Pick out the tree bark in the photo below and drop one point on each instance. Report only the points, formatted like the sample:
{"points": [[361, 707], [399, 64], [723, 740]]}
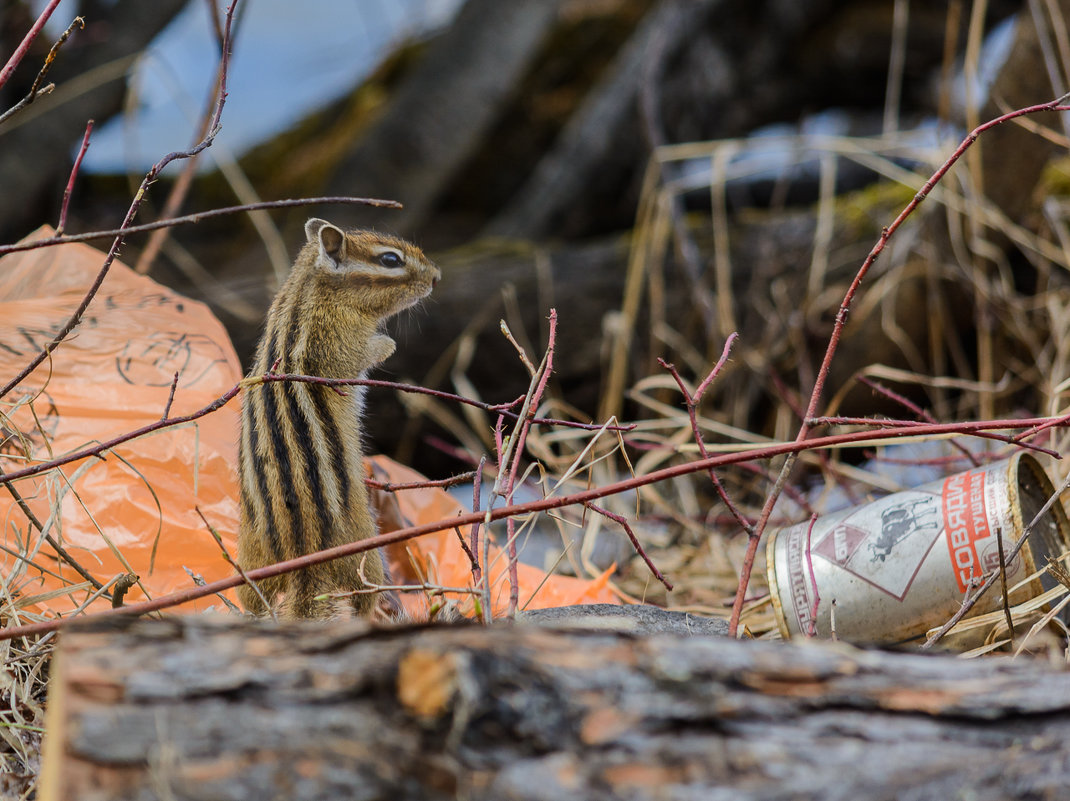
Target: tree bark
{"points": [[196, 708]]}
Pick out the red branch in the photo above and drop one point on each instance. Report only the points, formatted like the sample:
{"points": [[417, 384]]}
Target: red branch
{"points": [[889, 422], [101, 447], [24, 46], [623, 523], [441, 483], [477, 487], [74, 175], [499, 408], [924, 414], [196, 217], [518, 452], [693, 401], [837, 331]]}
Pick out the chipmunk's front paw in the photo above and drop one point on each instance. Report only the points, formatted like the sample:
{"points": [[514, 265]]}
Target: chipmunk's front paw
{"points": [[380, 348]]}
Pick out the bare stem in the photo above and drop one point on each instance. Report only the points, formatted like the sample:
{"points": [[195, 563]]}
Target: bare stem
{"points": [[39, 88], [24, 46], [74, 175], [230, 561], [441, 483], [477, 486], [924, 414], [498, 408], [59, 549], [623, 523], [693, 401], [196, 217], [531, 404]]}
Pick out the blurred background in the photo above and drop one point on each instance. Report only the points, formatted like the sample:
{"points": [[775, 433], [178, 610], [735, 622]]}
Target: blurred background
{"points": [[663, 172]]}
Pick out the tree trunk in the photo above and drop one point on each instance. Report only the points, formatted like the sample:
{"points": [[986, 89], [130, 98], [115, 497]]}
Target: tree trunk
{"points": [[196, 708], [439, 116]]}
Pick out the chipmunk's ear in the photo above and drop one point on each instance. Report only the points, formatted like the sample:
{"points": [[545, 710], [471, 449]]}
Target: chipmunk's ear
{"points": [[331, 240]]}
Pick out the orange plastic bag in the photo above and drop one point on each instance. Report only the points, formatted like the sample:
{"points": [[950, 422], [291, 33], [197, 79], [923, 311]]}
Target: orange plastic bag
{"points": [[136, 509]]}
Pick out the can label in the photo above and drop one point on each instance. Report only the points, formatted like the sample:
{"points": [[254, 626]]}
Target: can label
{"points": [[967, 525], [901, 564], [887, 547]]}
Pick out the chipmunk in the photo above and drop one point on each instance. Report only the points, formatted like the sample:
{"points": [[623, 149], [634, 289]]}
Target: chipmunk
{"points": [[301, 467]]}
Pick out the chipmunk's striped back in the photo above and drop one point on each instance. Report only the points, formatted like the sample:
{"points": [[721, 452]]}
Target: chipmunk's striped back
{"points": [[302, 487]]}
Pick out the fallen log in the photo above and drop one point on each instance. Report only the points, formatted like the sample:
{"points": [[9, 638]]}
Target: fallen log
{"points": [[200, 708]]}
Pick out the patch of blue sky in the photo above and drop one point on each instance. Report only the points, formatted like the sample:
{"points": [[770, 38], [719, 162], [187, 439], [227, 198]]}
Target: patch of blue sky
{"points": [[288, 60]]}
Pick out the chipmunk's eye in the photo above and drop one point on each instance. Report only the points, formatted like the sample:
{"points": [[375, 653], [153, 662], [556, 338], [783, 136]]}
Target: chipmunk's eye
{"points": [[390, 259]]}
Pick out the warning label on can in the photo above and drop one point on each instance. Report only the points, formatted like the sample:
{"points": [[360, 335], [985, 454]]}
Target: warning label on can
{"points": [[885, 543]]}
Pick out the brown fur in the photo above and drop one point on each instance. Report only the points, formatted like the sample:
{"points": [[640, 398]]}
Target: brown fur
{"points": [[301, 468]]}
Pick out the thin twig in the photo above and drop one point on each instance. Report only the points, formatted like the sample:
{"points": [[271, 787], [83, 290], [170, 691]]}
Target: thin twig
{"points": [[101, 447], [498, 408], [870, 421], [473, 534], [924, 414], [1003, 581], [623, 523], [170, 397], [230, 560], [182, 184], [411, 485], [77, 22], [196, 217], [968, 602], [44, 91], [121, 586], [692, 401], [519, 440], [70, 181], [524, 359], [27, 40], [59, 549], [39, 88], [472, 558]]}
